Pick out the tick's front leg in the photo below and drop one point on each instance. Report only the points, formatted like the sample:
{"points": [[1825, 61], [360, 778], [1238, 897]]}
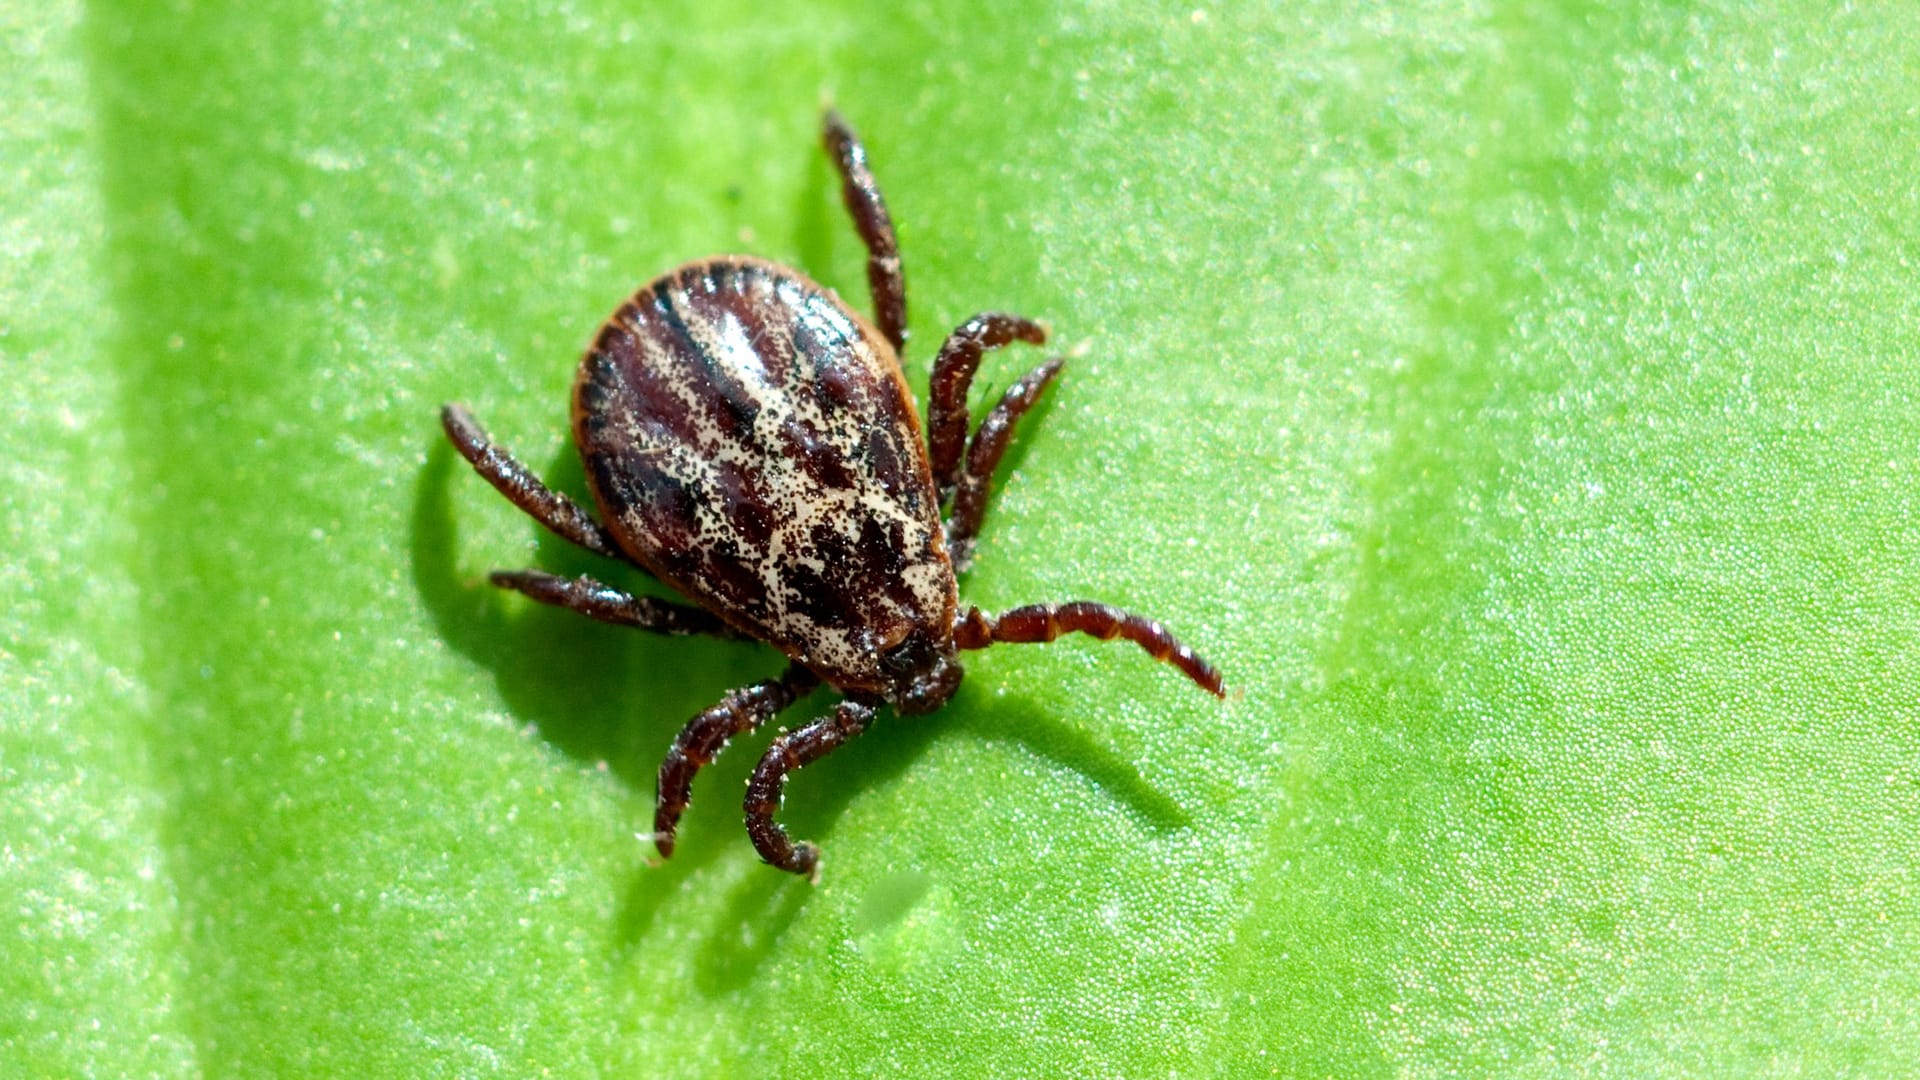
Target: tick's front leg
{"points": [[975, 629], [508, 476], [704, 736], [789, 752], [862, 195], [610, 605]]}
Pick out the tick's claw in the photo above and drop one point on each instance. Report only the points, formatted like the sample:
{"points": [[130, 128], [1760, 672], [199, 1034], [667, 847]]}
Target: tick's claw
{"points": [[806, 860], [662, 843]]}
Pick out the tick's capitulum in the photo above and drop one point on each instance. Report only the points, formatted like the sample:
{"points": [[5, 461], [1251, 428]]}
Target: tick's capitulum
{"points": [[751, 442]]}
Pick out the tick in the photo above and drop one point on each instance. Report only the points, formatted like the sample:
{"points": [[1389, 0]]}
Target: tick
{"points": [[750, 441]]}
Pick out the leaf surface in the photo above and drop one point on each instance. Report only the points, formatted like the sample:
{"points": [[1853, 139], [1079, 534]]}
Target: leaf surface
{"points": [[1517, 402]]}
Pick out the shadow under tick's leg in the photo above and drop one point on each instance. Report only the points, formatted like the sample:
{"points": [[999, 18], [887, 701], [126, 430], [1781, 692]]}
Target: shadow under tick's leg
{"points": [[1009, 366], [595, 692], [712, 827], [1074, 746], [764, 906], [606, 694]]}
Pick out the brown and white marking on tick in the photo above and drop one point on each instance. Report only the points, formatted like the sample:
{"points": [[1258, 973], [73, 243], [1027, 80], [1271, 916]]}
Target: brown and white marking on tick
{"points": [[751, 441]]}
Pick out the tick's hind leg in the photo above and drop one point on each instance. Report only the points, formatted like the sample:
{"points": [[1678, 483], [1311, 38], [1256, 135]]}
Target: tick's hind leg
{"points": [[975, 629], [787, 753], [862, 195], [704, 736], [550, 508], [610, 605], [989, 444]]}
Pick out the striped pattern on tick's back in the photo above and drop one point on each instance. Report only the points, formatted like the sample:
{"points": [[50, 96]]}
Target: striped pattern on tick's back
{"points": [[751, 441]]}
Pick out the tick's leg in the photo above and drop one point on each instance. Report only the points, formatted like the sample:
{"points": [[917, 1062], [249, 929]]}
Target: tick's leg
{"points": [[952, 374], [707, 734], [610, 605], [869, 210], [523, 489], [787, 753], [983, 456], [1044, 622]]}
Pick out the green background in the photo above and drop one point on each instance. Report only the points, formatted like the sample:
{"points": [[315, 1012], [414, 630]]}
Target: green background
{"points": [[1517, 401]]}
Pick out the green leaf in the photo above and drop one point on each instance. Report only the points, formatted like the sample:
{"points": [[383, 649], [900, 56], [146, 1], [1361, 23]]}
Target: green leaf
{"points": [[1517, 403]]}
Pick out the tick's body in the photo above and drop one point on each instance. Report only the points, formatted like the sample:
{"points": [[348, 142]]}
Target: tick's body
{"points": [[752, 442]]}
